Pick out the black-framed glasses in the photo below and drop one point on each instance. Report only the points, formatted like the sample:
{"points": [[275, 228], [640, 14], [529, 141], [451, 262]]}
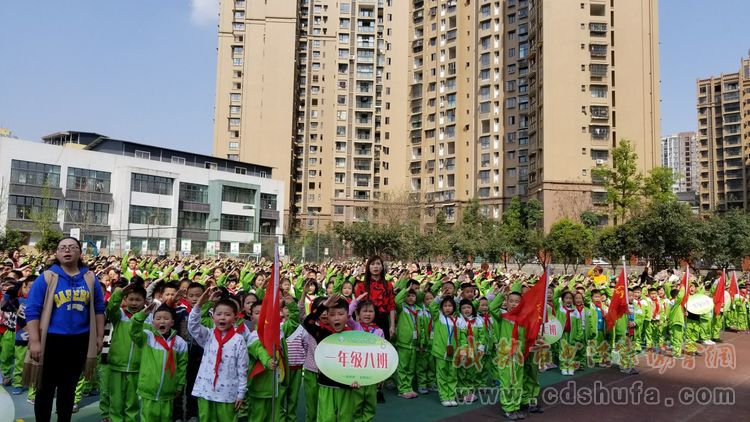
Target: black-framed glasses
{"points": [[71, 248]]}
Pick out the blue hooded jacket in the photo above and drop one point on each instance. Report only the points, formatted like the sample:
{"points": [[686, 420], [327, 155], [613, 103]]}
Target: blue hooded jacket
{"points": [[70, 312]]}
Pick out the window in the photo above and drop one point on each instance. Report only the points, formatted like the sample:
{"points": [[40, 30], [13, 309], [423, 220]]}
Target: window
{"points": [[36, 174], [178, 160], [240, 170], [236, 222], [192, 220], [234, 145], [150, 215], [268, 201], [235, 97], [598, 91], [88, 180], [151, 184], [338, 210], [142, 154], [238, 195], [194, 193], [86, 212], [23, 207], [234, 122]]}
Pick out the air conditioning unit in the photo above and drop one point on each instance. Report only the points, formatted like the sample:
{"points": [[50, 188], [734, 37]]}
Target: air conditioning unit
{"points": [[599, 162]]}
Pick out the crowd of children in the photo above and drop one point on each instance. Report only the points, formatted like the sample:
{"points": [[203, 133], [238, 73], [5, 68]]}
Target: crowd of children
{"points": [[183, 343]]}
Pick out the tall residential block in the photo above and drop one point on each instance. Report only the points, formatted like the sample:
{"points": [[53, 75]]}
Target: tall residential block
{"points": [[519, 98], [680, 153], [723, 120], [314, 88], [443, 100]]}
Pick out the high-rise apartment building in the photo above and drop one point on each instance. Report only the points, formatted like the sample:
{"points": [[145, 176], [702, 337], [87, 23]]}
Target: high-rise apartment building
{"points": [[446, 100], [314, 89], [723, 133], [519, 98], [679, 152]]}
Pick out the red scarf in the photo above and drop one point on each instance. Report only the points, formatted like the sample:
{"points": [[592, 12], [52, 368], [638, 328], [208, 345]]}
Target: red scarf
{"points": [[599, 305], [580, 309], [168, 347], [656, 310], [416, 320], [566, 329], [127, 313], [454, 333], [370, 328], [470, 331], [222, 341]]}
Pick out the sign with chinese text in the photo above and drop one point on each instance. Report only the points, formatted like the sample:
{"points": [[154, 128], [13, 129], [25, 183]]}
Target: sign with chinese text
{"points": [[700, 304], [356, 356], [553, 331]]}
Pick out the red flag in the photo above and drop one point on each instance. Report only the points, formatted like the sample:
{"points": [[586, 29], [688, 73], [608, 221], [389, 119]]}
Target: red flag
{"points": [[734, 290], [719, 295], [618, 306], [529, 311], [685, 284], [269, 323]]}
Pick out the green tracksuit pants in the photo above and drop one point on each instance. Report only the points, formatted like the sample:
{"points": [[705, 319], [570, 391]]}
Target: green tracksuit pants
{"points": [[425, 369], [7, 353], [705, 327], [717, 325], [20, 355], [447, 381], [365, 402], [103, 371], [677, 338], [310, 385], [82, 388], [260, 409], [654, 338], [692, 334], [531, 385], [511, 385], [335, 404], [156, 410], [291, 396], [407, 364], [214, 411], [123, 397]]}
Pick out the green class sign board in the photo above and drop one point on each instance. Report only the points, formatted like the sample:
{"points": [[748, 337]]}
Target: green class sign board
{"points": [[356, 356]]}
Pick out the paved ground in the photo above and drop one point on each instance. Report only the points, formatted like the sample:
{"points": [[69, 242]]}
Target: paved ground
{"points": [[626, 395]]}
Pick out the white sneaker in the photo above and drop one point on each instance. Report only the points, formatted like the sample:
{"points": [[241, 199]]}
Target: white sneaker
{"points": [[454, 403], [447, 403], [709, 342]]}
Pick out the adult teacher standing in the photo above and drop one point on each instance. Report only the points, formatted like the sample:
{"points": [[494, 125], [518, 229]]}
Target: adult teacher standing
{"points": [[65, 321], [380, 293]]}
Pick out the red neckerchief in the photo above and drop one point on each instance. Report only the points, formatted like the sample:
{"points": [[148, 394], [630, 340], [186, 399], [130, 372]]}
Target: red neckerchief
{"points": [[168, 347], [455, 329], [470, 331], [656, 310], [580, 309], [600, 308], [370, 328], [222, 341], [487, 322], [566, 329], [416, 320], [329, 328], [127, 313], [241, 327]]}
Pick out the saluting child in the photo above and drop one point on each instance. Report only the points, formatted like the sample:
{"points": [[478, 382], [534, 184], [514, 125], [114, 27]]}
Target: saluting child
{"points": [[164, 359], [444, 344], [407, 338], [365, 397], [221, 383], [473, 345], [425, 361]]}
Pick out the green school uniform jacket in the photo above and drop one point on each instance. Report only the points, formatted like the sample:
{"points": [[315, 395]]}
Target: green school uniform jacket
{"points": [[155, 381], [425, 329], [407, 324], [261, 385], [124, 354], [676, 314], [592, 324], [445, 331], [576, 324], [478, 333]]}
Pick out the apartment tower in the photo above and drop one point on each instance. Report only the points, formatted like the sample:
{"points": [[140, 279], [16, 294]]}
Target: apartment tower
{"points": [[519, 98], [308, 87], [680, 153], [723, 133]]}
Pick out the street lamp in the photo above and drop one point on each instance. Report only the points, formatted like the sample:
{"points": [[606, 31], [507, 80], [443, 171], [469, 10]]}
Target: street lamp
{"points": [[317, 233]]}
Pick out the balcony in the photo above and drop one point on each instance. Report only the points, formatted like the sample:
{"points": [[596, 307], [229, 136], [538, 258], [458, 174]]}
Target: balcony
{"points": [[599, 132], [598, 70], [598, 29], [598, 50], [599, 112]]}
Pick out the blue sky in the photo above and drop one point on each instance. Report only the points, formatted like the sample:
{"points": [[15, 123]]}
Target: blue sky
{"points": [[144, 70]]}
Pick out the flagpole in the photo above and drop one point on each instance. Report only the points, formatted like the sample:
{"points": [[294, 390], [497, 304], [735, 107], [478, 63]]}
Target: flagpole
{"points": [[274, 296]]}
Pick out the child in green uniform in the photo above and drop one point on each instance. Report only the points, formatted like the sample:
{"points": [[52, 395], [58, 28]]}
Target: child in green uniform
{"points": [[163, 363], [365, 397], [425, 362], [596, 329], [583, 313], [487, 375], [444, 344], [508, 360], [473, 346], [639, 313], [572, 329], [124, 355], [407, 339], [676, 318], [335, 400]]}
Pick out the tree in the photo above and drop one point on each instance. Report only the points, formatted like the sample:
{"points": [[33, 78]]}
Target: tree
{"points": [[10, 240], [569, 243], [657, 187], [725, 239], [623, 182], [667, 232], [44, 218], [368, 239], [468, 240], [522, 225], [590, 219], [613, 243], [48, 241]]}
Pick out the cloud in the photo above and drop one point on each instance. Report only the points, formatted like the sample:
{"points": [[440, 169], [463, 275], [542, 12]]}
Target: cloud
{"points": [[204, 12]]}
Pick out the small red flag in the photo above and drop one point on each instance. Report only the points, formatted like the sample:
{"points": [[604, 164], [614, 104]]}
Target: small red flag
{"points": [[529, 311], [685, 284], [719, 294], [618, 306], [269, 323], [734, 290]]}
